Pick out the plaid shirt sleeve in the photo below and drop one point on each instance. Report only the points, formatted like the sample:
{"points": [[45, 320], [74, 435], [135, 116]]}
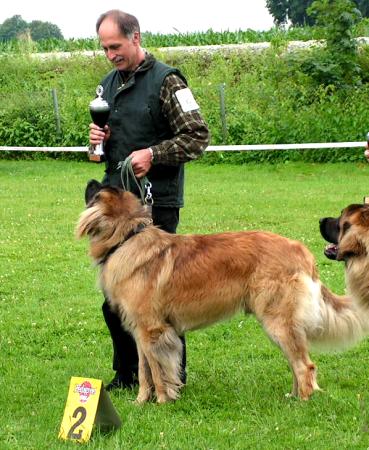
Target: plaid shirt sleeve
{"points": [[191, 134]]}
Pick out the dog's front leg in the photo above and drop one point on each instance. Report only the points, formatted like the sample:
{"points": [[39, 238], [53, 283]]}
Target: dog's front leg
{"points": [[146, 386], [157, 377]]}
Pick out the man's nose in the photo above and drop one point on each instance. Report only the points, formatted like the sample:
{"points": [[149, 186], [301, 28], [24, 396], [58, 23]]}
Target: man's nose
{"points": [[110, 54]]}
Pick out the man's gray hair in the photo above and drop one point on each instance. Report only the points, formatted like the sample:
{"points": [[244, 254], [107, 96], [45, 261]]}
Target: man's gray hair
{"points": [[127, 24]]}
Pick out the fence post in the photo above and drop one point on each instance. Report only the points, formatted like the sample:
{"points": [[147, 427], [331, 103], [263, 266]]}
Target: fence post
{"points": [[223, 116], [56, 111]]}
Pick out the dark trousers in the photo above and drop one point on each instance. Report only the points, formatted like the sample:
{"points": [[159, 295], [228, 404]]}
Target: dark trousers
{"points": [[125, 358]]}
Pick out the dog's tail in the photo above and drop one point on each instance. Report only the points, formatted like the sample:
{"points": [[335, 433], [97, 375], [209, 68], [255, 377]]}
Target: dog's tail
{"points": [[334, 322]]}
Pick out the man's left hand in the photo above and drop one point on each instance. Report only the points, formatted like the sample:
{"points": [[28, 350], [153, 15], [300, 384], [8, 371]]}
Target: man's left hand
{"points": [[141, 162]]}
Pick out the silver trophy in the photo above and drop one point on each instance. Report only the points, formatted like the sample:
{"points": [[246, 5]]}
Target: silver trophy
{"points": [[99, 110]]}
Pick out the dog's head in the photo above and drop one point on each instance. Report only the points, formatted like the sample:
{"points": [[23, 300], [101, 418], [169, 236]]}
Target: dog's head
{"points": [[348, 235], [110, 199], [110, 215]]}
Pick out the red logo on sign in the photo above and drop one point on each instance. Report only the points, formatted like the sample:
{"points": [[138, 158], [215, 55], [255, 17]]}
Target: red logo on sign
{"points": [[84, 390]]}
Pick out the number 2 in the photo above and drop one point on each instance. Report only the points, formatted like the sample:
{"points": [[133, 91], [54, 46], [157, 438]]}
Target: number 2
{"points": [[82, 411]]}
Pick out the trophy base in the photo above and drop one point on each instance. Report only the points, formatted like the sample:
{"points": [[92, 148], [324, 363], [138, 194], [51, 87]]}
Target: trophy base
{"points": [[95, 158]]}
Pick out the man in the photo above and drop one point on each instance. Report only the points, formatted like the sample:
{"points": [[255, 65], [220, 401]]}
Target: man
{"points": [[154, 119]]}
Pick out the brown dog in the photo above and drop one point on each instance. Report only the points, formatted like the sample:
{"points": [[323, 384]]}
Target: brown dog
{"points": [[164, 284]]}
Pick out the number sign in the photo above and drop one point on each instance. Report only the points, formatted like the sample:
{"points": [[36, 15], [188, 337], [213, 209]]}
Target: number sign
{"points": [[87, 404]]}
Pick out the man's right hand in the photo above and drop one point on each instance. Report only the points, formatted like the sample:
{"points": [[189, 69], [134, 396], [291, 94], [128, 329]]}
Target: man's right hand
{"points": [[97, 135]]}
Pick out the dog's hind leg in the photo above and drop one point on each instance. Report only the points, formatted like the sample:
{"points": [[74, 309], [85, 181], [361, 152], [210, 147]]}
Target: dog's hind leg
{"points": [[146, 385], [294, 345], [163, 350]]}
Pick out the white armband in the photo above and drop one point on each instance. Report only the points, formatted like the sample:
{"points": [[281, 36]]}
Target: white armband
{"points": [[186, 100]]}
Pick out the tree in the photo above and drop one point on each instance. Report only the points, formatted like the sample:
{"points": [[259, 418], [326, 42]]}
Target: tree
{"points": [[12, 28], [16, 27], [363, 7], [337, 63], [278, 9], [44, 30], [295, 11]]}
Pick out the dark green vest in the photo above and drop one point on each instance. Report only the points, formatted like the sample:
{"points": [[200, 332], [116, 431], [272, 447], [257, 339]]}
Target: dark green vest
{"points": [[137, 122]]}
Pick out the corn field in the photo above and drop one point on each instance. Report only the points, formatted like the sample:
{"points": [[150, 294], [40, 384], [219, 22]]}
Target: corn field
{"points": [[152, 40]]}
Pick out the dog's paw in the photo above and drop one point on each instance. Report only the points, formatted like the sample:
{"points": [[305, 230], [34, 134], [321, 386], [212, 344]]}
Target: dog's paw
{"points": [[143, 396], [170, 396], [163, 398]]}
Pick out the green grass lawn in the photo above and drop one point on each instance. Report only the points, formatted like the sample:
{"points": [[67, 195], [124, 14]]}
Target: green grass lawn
{"points": [[52, 327]]}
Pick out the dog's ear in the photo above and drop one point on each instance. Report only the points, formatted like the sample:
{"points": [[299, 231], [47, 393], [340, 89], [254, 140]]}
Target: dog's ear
{"points": [[364, 216], [92, 188]]}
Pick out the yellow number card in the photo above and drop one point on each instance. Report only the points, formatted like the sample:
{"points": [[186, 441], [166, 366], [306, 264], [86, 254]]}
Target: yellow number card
{"points": [[87, 404]]}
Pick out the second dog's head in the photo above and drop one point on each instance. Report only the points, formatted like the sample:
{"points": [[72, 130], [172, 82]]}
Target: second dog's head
{"points": [[347, 234]]}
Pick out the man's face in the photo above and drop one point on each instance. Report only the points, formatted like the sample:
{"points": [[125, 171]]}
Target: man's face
{"points": [[123, 52]]}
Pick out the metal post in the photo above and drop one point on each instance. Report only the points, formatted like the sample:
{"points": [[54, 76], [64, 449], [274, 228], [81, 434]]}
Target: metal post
{"points": [[223, 117]]}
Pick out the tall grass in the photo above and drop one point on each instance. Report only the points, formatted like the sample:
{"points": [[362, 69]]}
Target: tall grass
{"points": [[52, 326]]}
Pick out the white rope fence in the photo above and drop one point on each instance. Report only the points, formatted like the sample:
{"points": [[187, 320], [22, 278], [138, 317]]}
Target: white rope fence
{"points": [[238, 148], [44, 149], [212, 148]]}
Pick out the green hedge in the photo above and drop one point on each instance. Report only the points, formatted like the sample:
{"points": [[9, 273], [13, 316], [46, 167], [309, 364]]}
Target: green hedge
{"points": [[269, 99]]}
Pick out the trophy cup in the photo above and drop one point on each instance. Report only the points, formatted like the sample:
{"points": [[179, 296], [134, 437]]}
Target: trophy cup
{"points": [[99, 110]]}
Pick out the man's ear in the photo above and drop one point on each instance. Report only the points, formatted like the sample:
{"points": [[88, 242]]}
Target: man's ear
{"points": [[136, 39], [92, 188]]}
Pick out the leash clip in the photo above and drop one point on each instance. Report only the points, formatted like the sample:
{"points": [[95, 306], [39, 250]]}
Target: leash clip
{"points": [[148, 198], [143, 184]]}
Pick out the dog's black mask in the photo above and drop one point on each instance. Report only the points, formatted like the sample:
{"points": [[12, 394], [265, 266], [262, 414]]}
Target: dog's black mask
{"points": [[330, 229]]}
